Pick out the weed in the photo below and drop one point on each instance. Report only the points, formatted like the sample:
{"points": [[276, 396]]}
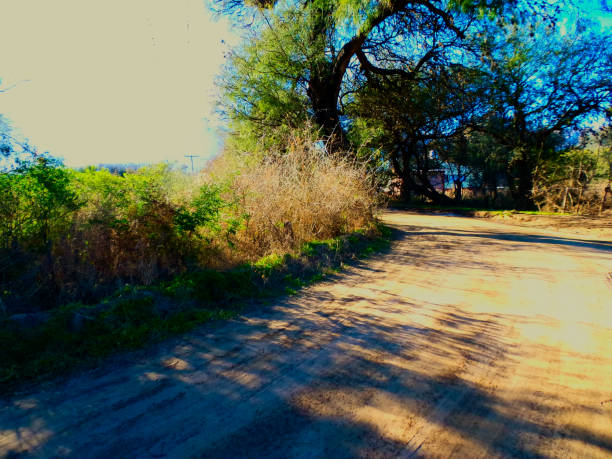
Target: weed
{"points": [[132, 316]]}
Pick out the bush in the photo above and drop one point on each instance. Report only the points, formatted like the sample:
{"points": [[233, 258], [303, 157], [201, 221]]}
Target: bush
{"points": [[569, 182], [299, 195], [136, 228], [71, 236], [36, 204], [76, 236]]}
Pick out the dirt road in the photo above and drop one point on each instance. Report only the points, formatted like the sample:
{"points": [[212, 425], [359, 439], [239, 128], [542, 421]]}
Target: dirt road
{"points": [[468, 339]]}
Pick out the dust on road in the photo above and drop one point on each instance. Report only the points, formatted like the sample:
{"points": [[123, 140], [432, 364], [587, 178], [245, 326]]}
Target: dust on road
{"points": [[468, 339]]}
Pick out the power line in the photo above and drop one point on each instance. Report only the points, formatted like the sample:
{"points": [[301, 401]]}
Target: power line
{"points": [[191, 157]]}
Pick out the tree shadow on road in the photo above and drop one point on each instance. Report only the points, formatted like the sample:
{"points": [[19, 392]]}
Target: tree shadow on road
{"points": [[371, 374]]}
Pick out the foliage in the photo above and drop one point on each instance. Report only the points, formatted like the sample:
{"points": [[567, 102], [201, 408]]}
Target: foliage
{"points": [[398, 80], [77, 235], [603, 146], [540, 84], [305, 58], [134, 316], [263, 88], [410, 119], [563, 182], [36, 201], [203, 210]]}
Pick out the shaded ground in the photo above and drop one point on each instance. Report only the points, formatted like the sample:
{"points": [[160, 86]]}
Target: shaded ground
{"points": [[584, 225], [468, 339]]}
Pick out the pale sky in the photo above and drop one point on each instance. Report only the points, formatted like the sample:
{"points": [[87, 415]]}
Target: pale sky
{"points": [[111, 81], [116, 81]]}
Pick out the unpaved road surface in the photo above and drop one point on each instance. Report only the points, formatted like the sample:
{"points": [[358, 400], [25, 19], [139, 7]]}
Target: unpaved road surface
{"points": [[598, 228], [468, 339]]}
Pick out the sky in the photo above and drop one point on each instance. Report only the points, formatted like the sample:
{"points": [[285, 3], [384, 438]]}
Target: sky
{"points": [[120, 81], [112, 81]]}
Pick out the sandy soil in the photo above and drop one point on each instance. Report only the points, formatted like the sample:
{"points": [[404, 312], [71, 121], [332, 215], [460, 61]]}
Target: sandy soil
{"points": [[584, 225], [468, 339]]}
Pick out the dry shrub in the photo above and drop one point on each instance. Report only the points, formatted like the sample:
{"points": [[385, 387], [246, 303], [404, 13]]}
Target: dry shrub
{"points": [[97, 254], [585, 200], [149, 225], [138, 229], [300, 195]]}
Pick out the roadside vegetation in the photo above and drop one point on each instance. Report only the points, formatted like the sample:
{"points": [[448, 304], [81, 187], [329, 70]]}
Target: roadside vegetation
{"points": [[328, 105], [93, 261], [77, 333], [70, 235], [498, 103]]}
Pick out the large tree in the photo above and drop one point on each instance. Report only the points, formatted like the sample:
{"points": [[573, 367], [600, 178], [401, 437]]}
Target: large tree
{"points": [[316, 49], [377, 66], [415, 120]]}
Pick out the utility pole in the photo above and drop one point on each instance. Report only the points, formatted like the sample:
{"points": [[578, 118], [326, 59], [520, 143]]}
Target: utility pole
{"points": [[191, 157]]}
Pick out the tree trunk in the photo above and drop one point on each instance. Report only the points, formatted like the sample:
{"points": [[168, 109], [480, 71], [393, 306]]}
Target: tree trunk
{"points": [[523, 192], [326, 78], [603, 199], [323, 96], [406, 190], [579, 202], [564, 204], [458, 189], [426, 189]]}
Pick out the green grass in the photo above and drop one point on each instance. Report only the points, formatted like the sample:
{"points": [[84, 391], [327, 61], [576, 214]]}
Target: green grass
{"points": [[519, 212], [136, 315], [537, 212], [471, 210]]}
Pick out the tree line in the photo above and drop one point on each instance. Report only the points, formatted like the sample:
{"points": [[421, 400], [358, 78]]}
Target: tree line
{"points": [[493, 93]]}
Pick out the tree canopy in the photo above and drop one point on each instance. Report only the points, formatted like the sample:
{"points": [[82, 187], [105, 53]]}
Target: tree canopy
{"points": [[421, 82]]}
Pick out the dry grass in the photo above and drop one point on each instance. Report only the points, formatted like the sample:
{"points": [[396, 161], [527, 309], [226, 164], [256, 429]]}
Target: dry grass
{"points": [[298, 196]]}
